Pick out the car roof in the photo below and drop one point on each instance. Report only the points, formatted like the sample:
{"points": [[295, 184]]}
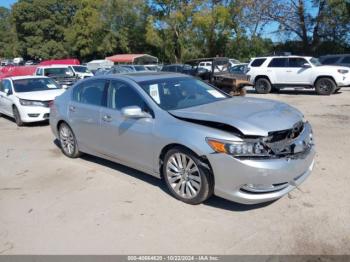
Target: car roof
{"points": [[54, 66], [146, 76], [24, 77], [286, 56]]}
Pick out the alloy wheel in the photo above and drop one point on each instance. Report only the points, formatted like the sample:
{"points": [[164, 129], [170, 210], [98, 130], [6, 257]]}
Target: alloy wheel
{"points": [[183, 175], [325, 85], [67, 140]]}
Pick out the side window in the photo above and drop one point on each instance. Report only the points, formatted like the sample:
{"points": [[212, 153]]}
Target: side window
{"points": [[296, 62], [121, 95], [278, 62], [91, 92], [6, 85], [201, 64], [346, 60], [39, 72], [258, 62]]}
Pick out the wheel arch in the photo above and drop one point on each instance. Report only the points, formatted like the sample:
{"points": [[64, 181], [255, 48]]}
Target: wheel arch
{"points": [[324, 76], [261, 76], [204, 160]]}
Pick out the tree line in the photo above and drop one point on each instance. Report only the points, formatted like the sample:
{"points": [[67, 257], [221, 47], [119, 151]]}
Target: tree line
{"points": [[173, 30]]}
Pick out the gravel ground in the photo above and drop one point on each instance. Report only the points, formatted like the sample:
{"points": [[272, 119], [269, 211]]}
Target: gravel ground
{"points": [[50, 204]]}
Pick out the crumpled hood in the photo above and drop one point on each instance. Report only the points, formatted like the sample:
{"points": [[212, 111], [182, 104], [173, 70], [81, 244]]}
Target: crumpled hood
{"points": [[47, 95], [252, 116]]}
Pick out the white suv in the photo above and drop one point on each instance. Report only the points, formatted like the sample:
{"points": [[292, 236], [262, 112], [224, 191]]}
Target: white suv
{"points": [[275, 72]]}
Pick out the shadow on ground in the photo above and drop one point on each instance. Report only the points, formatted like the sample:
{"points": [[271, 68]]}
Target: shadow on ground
{"points": [[34, 124], [214, 201], [293, 92]]}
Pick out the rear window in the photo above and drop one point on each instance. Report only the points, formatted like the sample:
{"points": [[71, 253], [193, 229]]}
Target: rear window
{"points": [[330, 60], [58, 71], [278, 62], [258, 62]]}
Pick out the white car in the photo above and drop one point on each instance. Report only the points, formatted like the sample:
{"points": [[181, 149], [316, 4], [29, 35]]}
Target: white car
{"points": [[275, 72], [81, 71], [27, 98]]}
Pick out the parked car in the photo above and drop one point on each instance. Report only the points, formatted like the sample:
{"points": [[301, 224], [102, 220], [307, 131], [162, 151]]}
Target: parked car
{"points": [[185, 69], [340, 60], [196, 137], [27, 98], [276, 72], [81, 71], [62, 74], [239, 69], [136, 68], [154, 67], [118, 70]]}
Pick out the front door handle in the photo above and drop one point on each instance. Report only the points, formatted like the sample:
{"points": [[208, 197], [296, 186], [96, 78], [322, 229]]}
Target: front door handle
{"points": [[107, 118], [72, 108], [289, 71]]}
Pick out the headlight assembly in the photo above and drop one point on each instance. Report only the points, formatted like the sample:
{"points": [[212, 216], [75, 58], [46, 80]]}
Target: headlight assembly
{"points": [[239, 149], [24, 102], [343, 71]]}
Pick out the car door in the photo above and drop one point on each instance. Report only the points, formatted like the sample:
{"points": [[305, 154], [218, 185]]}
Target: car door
{"points": [[129, 140], [84, 113], [277, 70], [297, 72], [6, 96]]}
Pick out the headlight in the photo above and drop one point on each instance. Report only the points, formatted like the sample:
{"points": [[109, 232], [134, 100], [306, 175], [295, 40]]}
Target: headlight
{"points": [[242, 148], [24, 102], [343, 71]]}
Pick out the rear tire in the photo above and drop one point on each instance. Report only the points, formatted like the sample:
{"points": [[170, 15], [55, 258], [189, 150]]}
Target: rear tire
{"points": [[185, 176], [17, 116], [68, 142], [263, 86], [325, 86]]}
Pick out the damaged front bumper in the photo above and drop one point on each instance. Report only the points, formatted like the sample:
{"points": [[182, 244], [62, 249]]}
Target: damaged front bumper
{"points": [[253, 181]]}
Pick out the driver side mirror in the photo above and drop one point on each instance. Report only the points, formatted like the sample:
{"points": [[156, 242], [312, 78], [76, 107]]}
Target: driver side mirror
{"points": [[306, 65], [8, 92], [134, 112]]}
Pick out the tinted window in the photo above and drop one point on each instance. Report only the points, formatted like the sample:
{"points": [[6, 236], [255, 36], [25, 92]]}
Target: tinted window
{"points": [[330, 60], [258, 62], [346, 60], [122, 95], [296, 62], [278, 62], [59, 71], [91, 92]]}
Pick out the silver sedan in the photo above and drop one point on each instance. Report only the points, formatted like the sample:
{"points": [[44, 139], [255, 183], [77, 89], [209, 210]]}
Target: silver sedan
{"points": [[195, 137]]}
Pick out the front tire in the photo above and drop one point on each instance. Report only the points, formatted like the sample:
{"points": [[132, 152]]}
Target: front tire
{"points": [[263, 86], [185, 176], [68, 141], [17, 116], [325, 86]]}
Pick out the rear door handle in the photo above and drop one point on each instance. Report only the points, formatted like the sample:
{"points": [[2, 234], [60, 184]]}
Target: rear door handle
{"points": [[107, 118], [289, 71], [72, 108]]}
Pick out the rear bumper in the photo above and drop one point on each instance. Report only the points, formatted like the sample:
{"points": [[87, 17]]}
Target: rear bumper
{"points": [[232, 175]]}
